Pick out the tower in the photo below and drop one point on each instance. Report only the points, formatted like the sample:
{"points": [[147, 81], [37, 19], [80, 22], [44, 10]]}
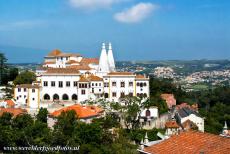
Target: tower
{"points": [[111, 59], [103, 61]]}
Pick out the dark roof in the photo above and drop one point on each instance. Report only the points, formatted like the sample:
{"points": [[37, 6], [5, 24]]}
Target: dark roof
{"points": [[184, 112]]}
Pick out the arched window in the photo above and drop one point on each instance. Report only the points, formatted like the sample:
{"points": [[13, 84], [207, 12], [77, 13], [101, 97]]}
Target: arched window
{"points": [[46, 97], [106, 95], [65, 97], [74, 97], [55, 97], [145, 95], [147, 113]]}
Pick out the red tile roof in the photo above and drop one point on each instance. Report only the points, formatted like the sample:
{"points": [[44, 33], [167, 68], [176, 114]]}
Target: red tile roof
{"points": [[94, 78], [82, 112], [10, 103], [55, 52], [121, 73], [79, 67], [171, 124], [191, 142], [28, 86], [62, 71], [90, 61], [71, 62], [14, 111], [170, 99]]}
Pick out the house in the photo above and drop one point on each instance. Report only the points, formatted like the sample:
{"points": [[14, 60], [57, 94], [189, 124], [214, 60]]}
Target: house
{"points": [[83, 112], [172, 128], [185, 113], [170, 100], [7, 103], [148, 116], [190, 142]]}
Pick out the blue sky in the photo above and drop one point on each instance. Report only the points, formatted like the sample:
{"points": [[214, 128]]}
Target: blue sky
{"points": [[138, 29]]}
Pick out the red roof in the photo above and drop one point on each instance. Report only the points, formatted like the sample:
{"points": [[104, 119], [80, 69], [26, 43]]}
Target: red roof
{"points": [[10, 103], [171, 124], [191, 142], [14, 111], [170, 99], [81, 111]]}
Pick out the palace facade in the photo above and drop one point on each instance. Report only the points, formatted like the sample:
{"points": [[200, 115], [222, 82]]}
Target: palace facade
{"points": [[70, 77]]}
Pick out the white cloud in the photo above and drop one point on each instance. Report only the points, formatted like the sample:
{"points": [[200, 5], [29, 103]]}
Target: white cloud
{"points": [[136, 13], [93, 4]]}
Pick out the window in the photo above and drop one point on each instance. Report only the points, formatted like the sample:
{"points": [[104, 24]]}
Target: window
{"points": [[114, 84], [65, 97], [92, 84], [99, 89], [106, 84], [46, 97], [33, 99], [33, 90], [24, 89], [114, 94], [67, 83], [145, 84], [75, 83], [61, 58], [52, 83], [24, 96], [99, 84], [106, 95], [130, 84], [60, 84], [122, 84], [92, 90], [138, 84], [130, 94], [141, 84], [122, 95], [83, 92], [19, 89], [96, 84], [45, 83]]}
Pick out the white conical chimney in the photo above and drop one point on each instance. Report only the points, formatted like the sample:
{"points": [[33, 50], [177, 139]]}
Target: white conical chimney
{"points": [[111, 59], [103, 61]]}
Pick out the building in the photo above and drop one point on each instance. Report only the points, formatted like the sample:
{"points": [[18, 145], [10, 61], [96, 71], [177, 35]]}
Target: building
{"points": [[172, 128], [184, 114], [71, 78], [84, 112], [170, 100], [190, 142]]}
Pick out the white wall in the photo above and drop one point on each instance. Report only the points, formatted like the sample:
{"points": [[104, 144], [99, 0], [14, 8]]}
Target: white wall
{"points": [[196, 120]]}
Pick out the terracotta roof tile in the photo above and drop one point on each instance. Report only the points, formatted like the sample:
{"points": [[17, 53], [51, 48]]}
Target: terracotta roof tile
{"points": [[72, 62], [82, 112], [121, 73], [79, 67], [62, 71], [171, 124], [90, 60], [10, 103], [49, 62], [83, 79], [94, 78], [191, 142], [170, 99], [54, 53], [14, 111], [28, 86]]}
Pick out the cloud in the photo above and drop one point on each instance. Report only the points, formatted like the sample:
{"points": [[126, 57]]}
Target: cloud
{"points": [[136, 13], [93, 4]]}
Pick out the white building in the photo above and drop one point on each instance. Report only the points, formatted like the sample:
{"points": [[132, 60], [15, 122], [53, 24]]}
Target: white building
{"points": [[185, 114], [70, 77]]}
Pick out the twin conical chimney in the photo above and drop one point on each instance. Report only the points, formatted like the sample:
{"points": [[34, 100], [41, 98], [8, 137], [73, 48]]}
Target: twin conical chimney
{"points": [[106, 62]]}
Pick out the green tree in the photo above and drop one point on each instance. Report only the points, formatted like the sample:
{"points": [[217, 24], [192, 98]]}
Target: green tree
{"points": [[42, 115], [3, 68], [26, 77]]}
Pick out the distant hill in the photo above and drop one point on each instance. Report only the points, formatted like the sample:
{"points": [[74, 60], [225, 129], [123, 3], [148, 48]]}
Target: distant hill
{"points": [[23, 55]]}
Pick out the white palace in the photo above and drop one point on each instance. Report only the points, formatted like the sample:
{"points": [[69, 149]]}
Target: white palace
{"points": [[69, 77]]}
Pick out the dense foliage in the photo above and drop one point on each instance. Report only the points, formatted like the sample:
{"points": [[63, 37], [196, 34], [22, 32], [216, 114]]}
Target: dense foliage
{"points": [[6, 73], [26, 77], [97, 137]]}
